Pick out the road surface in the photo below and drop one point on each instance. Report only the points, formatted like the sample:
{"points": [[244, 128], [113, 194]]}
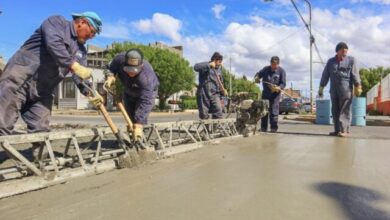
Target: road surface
{"points": [[268, 176]]}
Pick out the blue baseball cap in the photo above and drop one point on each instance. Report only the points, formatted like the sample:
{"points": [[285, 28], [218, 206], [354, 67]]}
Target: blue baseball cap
{"points": [[92, 18]]}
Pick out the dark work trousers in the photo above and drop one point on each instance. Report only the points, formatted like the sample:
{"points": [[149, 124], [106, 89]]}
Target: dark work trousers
{"points": [[209, 104], [341, 110], [18, 94], [132, 106], [273, 113]]}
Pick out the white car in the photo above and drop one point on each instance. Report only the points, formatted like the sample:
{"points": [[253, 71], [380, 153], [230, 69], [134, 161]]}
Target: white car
{"points": [[306, 107]]}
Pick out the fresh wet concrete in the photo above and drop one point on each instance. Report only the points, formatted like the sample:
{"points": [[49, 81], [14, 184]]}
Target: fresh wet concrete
{"points": [[268, 176]]}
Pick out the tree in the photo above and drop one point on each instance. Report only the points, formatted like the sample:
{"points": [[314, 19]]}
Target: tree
{"points": [[370, 77], [174, 72], [239, 84]]}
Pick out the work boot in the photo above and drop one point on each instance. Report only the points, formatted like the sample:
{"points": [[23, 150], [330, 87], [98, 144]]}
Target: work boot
{"points": [[274, 130], [343, 134], [334, 133]]}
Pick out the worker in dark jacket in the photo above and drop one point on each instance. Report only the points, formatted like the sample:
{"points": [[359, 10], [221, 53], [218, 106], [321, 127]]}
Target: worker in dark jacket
{"points": [[210, 87], [140, 84], [34, 71], [274, 81], [344, 76]]}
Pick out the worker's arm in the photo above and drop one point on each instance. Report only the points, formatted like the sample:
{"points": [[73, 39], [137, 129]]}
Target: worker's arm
{"points": [[114, 66], [355, 73], [282, 82], [78, 82], [202, 67], [325, 75], [259, 75], [145, 101], [53, 30]]}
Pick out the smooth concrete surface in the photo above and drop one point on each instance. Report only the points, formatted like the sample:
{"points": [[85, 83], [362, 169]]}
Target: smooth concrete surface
{"points": [[269, 176]]}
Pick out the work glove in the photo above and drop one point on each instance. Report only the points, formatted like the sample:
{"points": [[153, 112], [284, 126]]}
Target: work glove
{"points": [[96, 100], [81, 71], [276, 89], [224, 92], [357, 90], [321, 92], [138, 132], [212, 64], [257, 79], [108, 84]]}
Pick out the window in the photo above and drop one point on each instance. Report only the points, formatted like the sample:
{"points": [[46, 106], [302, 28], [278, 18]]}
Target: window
{"points": [[68, 89]]}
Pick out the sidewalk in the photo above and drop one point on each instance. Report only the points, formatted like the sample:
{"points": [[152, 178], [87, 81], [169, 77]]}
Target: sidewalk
{"points": [[371, 120]]}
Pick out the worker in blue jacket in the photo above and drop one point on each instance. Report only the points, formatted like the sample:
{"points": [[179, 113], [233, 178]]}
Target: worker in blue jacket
{"points": [[274, 81], [140, 84], [30, 77], [34, 71], [210, 88]]}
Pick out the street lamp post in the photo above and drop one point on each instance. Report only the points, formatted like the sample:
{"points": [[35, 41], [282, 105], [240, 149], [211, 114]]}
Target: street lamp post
{"points": [[311, 38]]}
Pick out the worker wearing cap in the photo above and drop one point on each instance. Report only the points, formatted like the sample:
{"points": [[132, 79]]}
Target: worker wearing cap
{"points": [[28, 81], [34, 71], [210, 87], [140, 84], [274, 81], [344, 78]]}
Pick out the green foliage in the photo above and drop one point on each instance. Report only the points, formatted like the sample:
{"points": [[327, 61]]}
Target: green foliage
{"points": [[189, 103], [370, 77], [174, 72], [239, 84]]}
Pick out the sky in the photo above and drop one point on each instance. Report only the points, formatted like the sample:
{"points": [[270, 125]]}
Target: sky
{"points": [[247, 32]]}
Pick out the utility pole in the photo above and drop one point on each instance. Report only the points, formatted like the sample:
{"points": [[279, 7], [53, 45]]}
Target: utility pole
{"points": [[311, 38], [230, 76]]}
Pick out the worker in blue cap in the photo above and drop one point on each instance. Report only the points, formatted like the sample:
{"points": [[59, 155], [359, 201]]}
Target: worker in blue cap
{"points": [[27, 83]]}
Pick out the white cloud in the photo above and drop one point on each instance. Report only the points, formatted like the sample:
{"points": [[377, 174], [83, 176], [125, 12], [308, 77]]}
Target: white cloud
{"points": [[119, 30], [251, 44], [218, 9], [161, 24]]}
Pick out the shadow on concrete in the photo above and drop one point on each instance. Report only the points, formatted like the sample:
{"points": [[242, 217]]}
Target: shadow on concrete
{"points": [[355, 202]]}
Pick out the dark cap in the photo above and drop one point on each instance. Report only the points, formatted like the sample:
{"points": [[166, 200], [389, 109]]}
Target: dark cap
{"points": [[134, 59], [216, 56], [275, 59], [340, 46]]}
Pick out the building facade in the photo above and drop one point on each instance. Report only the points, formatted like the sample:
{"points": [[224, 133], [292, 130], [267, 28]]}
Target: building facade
{"points": [[68, 96], [2, 64]]}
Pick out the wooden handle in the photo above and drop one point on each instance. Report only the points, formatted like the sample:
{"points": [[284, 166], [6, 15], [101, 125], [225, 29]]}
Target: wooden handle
{"points": [[108, 119], [125, 115]]}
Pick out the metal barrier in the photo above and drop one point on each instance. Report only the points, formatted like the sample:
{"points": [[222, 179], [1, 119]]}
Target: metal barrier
{"points": [[75, 153]]}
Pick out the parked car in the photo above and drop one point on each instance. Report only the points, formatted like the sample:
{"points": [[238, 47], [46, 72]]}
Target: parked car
{"points": [[288, 105], [306, 107]]}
